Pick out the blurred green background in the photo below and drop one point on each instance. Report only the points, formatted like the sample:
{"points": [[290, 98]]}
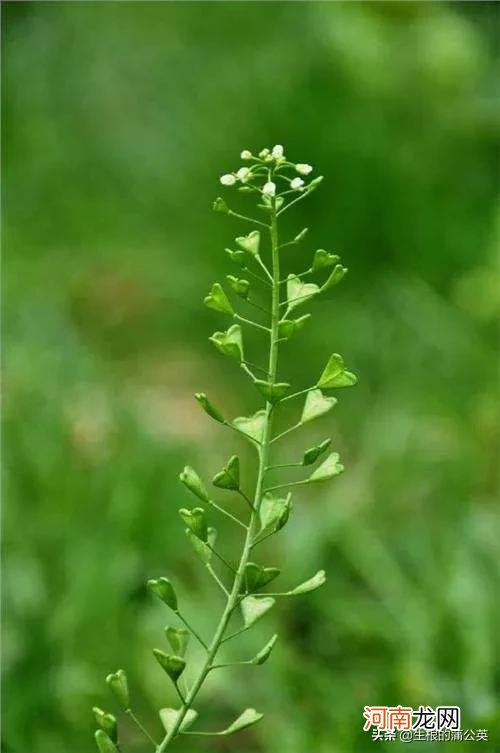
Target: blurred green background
{"points": [[118, 120]]}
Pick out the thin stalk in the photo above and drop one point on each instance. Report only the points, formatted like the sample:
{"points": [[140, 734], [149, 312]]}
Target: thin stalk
{"points": [[141, 727], [287, 431], [247, 219], [263, 450], [226, 512], [192, 630], [251, 323], [297, 394]]}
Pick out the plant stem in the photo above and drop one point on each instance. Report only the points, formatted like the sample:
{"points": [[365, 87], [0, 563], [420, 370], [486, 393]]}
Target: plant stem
{"points": [[263, 449]]}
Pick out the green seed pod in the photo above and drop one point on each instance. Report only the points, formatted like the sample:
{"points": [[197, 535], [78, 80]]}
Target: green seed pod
{"points": [[237, 257], [173, 665], [210, 409], [220, 205], [164, 590], [104, 743], [250, 242], [218, 300], [196, 521], [107, 722], [178, 639], [240, 287], [229, 477], [117, 683], [190, 478]]}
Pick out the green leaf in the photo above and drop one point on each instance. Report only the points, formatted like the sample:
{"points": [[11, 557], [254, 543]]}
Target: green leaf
{"points": [[272, 392], [173, 665], [104, 743], [274, 511], [298, 292], [196, 521], [220, 205], [335, 374], [229, 477], [178, 639], [250, 242], [207, 406], [169, 718], [240, 287], [265, 653], [218, 300], [337, 273], [316, 405], [323, 260], [328, 469], [252, 426], [288, 327], [107, 722], [201, 548], [310, 585], [164, 590], [117, 683], [313, 453], [256, 577], [229, 343], [190, 478], [246, 719], [253, 608], [237, 257]]}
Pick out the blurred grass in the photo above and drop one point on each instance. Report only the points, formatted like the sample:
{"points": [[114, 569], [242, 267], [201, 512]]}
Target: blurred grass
{"points": [[118, 119]]}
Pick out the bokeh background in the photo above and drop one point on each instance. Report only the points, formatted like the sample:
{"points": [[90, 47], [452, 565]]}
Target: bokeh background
{"points": [[118, 120]]}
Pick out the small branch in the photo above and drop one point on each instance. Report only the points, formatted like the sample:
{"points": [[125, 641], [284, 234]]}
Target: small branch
{"points": [[294, 201], [231, 664], [217, 579], [256, 306], [263, 266], [247, 499], [297, 394], [225, 512], [141, 727], [284, 465], [221, 558], [287, 431], [257, 277], [258, 541], [284, 486], [192, 630], [237, 632], [248, 371], [255, 366], [247, 219], [302, 274], [251, 323], [241, 433]]}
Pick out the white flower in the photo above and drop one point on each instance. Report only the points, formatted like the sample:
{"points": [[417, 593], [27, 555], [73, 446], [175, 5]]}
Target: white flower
{"points": [[303, 169], [228, 179], [269, 189], [296, 184], [243, 173], [246, 154], [264, 153], [277, 151]]}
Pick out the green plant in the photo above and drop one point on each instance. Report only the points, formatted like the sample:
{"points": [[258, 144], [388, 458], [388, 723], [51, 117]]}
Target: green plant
{"points": [[269, 507]]}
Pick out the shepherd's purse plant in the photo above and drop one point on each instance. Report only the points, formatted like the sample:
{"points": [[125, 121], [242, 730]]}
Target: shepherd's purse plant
{"points": [[277, 184]]}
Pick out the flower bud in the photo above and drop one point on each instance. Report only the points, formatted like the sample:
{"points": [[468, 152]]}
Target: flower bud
{"points": [[269, 189], [164, 590], [106, 722], [117, 683], [104, 743], [264, 153], [220, 205], [246, 154], [228, 180], [277, 151], [243, 173], [190, 478], [210, 409], [303, 169], [315, 183], [296, 184]]}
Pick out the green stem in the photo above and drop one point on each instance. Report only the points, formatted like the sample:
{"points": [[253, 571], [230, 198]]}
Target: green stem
{"points": [[263, 449]]}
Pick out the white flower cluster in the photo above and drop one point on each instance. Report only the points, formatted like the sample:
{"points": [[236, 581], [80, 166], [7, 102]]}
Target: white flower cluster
{"points": [[269, 158]]}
